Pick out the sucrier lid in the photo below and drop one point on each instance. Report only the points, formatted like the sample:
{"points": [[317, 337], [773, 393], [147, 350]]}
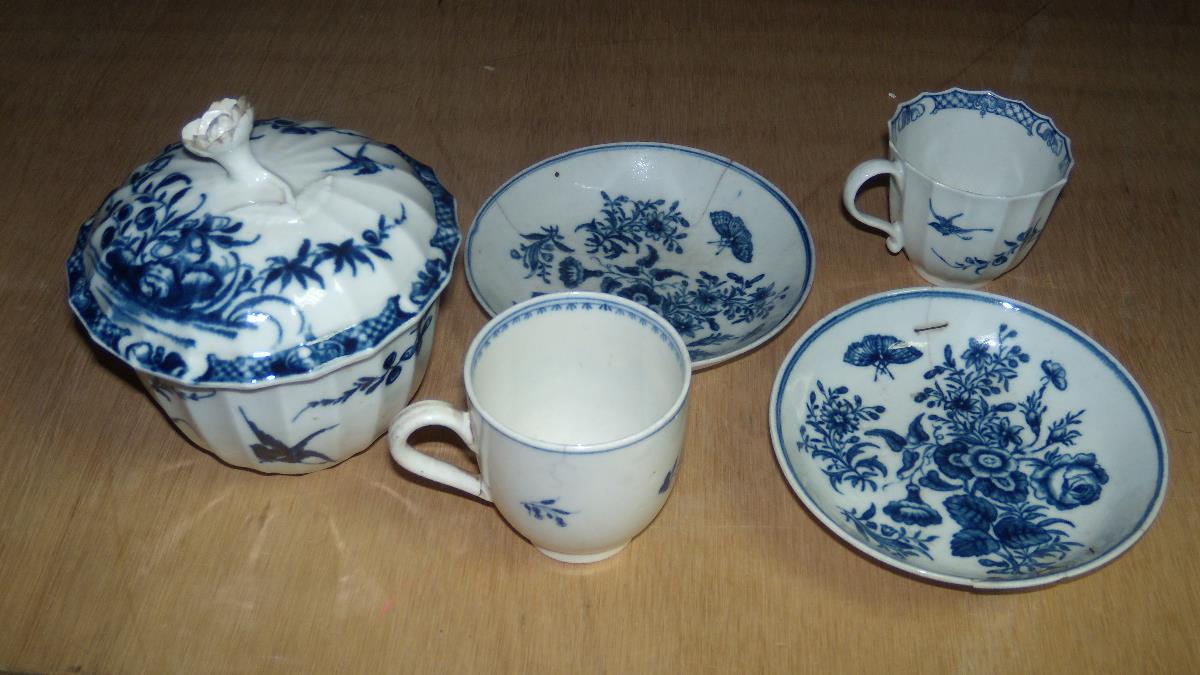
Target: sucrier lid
{"points": [[257, 251]]}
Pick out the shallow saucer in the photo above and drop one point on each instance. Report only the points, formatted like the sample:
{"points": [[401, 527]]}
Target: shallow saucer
{"points": [[705, 242], [968, 438]]}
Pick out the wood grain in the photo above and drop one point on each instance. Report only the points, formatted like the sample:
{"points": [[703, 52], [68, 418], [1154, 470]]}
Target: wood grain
{"points": [[125, 549]]}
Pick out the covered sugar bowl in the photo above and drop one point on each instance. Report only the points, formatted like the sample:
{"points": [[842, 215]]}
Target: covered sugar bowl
{"points": [[273, 283]]}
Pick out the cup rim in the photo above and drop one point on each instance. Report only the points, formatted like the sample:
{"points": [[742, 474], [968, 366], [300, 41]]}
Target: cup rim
{"points": [[1058, 184], [666, 418]]}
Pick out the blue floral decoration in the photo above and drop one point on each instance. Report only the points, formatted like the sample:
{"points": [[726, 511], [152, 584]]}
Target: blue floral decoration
{"points": [[624, 248], [166, 257], [666, 484], [1012, 250], [393, 367], [546, 509], [831, 434], [896, 541], [1002, 473]]}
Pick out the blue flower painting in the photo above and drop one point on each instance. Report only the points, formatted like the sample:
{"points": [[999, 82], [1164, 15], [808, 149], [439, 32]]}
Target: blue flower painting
{"points": [[977, 458], [629, 250]]}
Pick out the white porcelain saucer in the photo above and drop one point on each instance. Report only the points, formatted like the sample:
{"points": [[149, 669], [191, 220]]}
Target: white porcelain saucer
{"points": [[706, 243], [968, 438]]}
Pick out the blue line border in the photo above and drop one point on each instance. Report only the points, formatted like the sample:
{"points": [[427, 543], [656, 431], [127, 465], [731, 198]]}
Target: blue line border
{"points": [[845, 312]]}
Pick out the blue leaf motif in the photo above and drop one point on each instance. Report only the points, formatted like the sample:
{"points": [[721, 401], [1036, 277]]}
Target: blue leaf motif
{"points": [[894, 440], [1003, 468], [546, 509], [626, 248], [895, 541], [392, 368], [978, 265], [1014, 532], [916, 433], [934, 481], [973, 543], [971, 512]]}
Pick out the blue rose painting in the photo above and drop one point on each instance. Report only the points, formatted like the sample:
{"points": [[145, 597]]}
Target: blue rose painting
{"points": [[976, 458]]}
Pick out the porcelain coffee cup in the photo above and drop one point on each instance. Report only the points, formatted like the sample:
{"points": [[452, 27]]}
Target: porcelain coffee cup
{"points": [[973, 177], [577, 405]]}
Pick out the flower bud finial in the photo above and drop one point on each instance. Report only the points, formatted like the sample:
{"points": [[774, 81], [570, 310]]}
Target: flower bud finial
{"points": [[222, 134]]}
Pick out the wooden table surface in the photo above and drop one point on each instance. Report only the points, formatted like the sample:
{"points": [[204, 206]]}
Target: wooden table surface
{"points": [[123, 548]]}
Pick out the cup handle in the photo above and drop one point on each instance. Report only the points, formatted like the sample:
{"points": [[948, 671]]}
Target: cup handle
{"points": [[854, 182], [441, 414]]}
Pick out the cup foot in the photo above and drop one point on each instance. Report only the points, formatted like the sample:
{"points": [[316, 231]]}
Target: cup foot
{"points": [[578, 559]]}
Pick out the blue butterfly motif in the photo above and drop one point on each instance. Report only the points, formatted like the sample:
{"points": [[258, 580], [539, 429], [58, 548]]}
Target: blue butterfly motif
{"points": [[734, 235], [881, 351]]}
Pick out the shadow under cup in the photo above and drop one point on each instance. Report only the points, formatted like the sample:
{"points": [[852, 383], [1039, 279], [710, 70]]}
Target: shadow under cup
{"points": [[571, 375]]}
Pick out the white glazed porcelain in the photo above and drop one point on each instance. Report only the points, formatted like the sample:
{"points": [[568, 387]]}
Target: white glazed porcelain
{"points": [[968, 438], [274, 284], [972, 179], [577, 410], [705, 242]]}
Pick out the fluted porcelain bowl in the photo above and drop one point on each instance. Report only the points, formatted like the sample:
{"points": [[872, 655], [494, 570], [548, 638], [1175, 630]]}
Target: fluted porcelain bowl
{"points": [[273, 283], [708, 244]]}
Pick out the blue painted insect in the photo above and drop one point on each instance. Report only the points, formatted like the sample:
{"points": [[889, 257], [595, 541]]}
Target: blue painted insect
{"points": [[271, 449], [945, 225], [734, 235], [880, 351]]}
